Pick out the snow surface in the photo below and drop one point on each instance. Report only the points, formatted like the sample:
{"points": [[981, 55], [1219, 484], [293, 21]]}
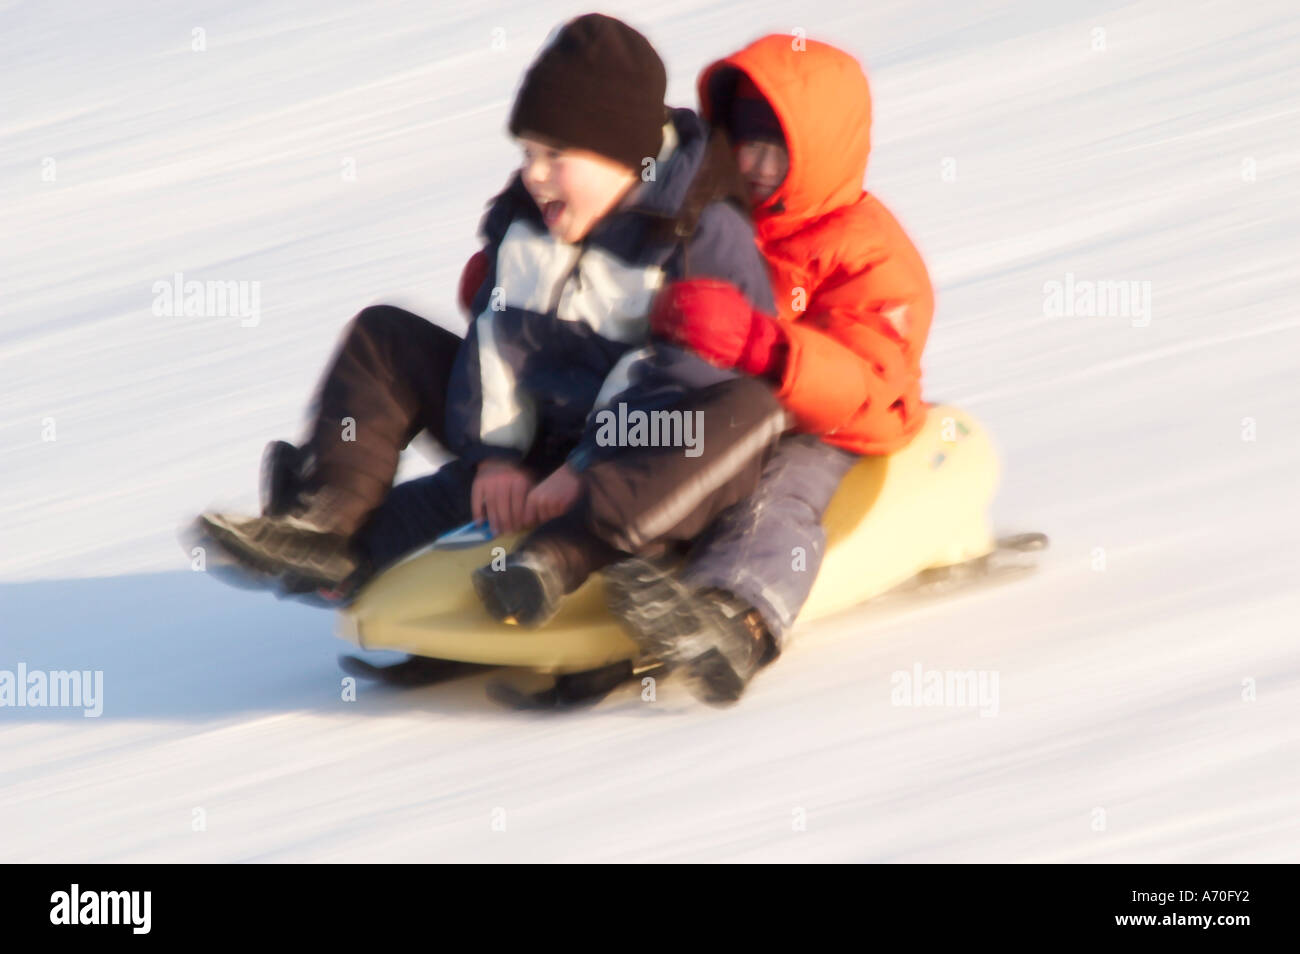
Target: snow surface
{"points": [[1149, 682]]}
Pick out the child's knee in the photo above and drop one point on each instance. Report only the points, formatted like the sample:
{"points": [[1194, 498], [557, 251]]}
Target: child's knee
{"points": [[379, 320]]}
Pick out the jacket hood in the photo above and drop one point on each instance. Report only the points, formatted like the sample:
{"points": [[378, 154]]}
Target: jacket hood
{"points": [[820, 95]]}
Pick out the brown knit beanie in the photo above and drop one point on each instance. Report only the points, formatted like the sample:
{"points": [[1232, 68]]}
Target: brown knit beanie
{"points": [[598, 85]]}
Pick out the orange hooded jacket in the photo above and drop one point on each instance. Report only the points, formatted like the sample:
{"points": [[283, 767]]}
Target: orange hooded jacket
{"points": [[852, 293]]}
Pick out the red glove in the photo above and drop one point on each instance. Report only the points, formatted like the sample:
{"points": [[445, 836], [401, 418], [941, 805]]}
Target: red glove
{"points": [[713, 319], [471, 279]]}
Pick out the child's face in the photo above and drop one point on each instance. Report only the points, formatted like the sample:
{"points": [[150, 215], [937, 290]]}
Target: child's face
{"points": [[763, 165], [572, 187]]}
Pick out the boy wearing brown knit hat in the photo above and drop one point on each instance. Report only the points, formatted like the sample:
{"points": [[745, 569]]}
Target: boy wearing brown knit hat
{"points": [[616, 195]]}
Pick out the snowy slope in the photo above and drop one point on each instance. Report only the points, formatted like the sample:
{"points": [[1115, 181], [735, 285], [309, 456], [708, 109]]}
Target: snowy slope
{"points": [[1017, 144]]}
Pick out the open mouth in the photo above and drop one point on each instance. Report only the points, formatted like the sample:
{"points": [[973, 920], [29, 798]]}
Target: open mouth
{"points": [[551, 212]]}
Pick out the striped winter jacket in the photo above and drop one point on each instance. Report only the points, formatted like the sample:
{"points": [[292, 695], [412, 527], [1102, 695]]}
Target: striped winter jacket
{"points": [[552, 320]]}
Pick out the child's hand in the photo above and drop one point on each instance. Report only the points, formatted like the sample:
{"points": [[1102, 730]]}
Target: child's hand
{"points": [[553, 496], [498, 494]]}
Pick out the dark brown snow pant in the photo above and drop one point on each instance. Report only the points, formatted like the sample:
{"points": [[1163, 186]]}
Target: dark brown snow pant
{"points": [[643, 498], [386, 382]]}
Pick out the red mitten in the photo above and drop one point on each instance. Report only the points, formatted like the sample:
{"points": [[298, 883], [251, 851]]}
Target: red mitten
{"points": [[471, 279], [715, 320]]}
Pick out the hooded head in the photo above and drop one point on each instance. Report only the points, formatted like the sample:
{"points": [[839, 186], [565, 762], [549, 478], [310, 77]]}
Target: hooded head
{"points": [[819, 96]]}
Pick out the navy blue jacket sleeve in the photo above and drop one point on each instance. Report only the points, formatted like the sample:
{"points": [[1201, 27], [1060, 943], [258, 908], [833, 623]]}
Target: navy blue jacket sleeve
{"points": [[486, 414], [723, 247]]}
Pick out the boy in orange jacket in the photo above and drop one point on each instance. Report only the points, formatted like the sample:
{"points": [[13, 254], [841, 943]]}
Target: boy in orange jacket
{"points": [[843, 352]]}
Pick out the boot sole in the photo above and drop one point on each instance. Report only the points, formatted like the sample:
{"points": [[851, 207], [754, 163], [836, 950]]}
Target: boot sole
{"points": [[712, 680], [514, 595]]}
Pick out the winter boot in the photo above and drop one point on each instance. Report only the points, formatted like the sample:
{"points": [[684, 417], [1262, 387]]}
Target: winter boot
{"points": [[717, 640], [300, 551], [284, 473], [555, 559], [527, 590]]}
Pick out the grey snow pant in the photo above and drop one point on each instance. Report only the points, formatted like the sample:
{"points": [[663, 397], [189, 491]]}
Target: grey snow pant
{"points": [[384, 385], [767, 548]]}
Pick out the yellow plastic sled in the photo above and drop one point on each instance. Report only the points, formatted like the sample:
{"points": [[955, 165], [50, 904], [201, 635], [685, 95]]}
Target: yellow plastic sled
{"points": [[893, 517]]}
